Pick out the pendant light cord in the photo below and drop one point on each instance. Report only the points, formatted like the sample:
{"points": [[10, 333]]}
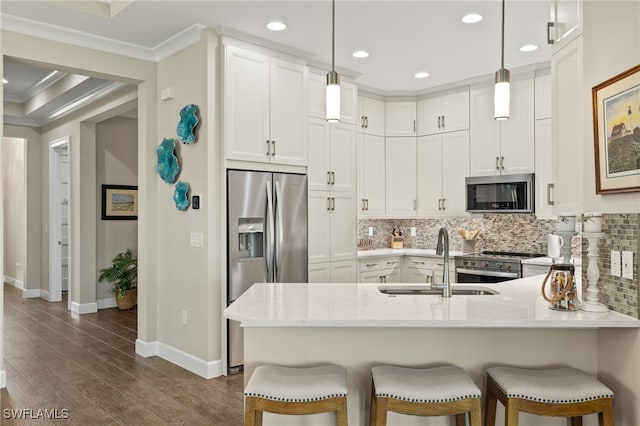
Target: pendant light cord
{"points": [[333, 34], [502, 51]]}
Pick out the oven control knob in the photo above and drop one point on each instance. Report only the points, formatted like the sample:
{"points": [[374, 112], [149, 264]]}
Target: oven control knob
{"points": [[499, 265], [508, 266], [486, 264], [465, 262], [473, 263]]}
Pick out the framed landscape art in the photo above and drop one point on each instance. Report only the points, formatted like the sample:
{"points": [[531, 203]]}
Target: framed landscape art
{"points": [[616, 131], [119, 202]]}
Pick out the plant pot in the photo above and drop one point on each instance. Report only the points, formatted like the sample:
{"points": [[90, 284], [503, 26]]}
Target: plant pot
{"points": [[127, 299]]}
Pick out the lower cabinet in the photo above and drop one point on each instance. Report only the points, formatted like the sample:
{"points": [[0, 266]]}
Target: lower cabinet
{"points": [[381, 270], [427, 269], [332, 226], [333, 272], [404, 269]]}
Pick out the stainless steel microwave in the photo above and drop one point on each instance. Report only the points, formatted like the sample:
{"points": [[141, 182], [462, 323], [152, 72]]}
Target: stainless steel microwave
{"points": [[500, 194]]}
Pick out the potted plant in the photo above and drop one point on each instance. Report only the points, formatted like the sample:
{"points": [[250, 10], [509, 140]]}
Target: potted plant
{"points": [[123, 273]]}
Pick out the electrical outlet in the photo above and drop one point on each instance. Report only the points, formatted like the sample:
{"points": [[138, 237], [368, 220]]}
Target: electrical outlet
{"points": [[615, 263], [197, 239], [413, 231], [371, 231], [184, 318], [627, 264]]}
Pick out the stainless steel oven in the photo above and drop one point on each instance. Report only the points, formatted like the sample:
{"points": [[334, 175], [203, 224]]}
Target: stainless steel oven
{"points": [[490, 267]]}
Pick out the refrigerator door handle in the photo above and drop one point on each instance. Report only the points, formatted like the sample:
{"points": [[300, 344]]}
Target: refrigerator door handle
{"points": [[280, 241], [269, 241]]}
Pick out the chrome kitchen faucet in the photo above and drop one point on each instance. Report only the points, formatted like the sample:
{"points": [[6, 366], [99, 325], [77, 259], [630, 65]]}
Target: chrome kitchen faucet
{"points": [[443, 248]]}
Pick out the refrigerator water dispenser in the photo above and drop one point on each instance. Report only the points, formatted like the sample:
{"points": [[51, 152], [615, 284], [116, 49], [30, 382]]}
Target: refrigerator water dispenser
{"points": [[250, 237]]}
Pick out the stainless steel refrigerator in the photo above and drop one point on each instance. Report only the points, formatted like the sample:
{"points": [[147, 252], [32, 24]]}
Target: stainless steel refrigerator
{"points": [[266, 238]]}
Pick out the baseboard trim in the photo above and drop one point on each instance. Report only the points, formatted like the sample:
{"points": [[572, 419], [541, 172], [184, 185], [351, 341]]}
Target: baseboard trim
{"points": [[44, 294], [107, 303], [3, 379], [205, 369], [14, 282], [31, 293], [84, 308]]}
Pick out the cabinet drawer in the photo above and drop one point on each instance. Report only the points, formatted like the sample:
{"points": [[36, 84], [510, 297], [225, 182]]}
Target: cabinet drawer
{"points": [[419, 262], [369, 265]]}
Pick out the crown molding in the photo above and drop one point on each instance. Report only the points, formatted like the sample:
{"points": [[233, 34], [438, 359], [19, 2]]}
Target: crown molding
{"points": [[172, 45]]}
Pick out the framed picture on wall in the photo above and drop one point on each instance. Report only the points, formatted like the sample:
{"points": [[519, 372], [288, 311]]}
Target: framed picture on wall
{"points": [[119, 202], [616, 131]]}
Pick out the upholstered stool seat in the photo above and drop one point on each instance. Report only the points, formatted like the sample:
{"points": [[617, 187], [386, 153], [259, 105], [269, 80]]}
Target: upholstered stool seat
{"points": [[560, 392], [290, 390], [437, 391]]}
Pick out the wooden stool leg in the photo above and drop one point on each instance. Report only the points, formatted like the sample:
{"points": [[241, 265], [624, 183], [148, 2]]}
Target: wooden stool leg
{"points": [[490, 405], [475, 416], [576, 421], [381, 412], [510, 413], [461, 419], [373, 407], [252, 417], [605, 418], [342, 412]]}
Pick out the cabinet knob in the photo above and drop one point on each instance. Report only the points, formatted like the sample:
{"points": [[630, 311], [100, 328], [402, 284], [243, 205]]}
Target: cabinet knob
{"points": [[550, 39]]}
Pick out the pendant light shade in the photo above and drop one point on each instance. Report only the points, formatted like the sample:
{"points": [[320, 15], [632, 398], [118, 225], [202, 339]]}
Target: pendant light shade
{"points": [[502, 91], [333, 79]]}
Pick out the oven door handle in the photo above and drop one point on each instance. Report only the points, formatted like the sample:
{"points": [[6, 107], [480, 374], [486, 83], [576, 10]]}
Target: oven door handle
{"points": [[487, 273]]}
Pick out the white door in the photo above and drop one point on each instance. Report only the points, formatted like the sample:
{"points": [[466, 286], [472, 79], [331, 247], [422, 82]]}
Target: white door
{"points": [[455, 168], [401, 176], [344, 228], [455, 112], [371, 165], [319, 273], [59, 219], [400, 118], [343, 272], [517, 151], [544, 169], [319, 226], [374, 116], [429, 118], [318, 177], [429, 174], [343, 157], [485, 134]]}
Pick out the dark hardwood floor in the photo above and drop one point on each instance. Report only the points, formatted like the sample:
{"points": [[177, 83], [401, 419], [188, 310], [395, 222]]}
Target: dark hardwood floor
{"points": [[87, 365]]}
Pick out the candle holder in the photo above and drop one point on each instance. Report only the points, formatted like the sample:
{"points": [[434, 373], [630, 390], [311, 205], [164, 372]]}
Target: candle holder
{"points": [[592, 302]]}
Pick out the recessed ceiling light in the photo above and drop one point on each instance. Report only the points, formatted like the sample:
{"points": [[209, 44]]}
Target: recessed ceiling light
{"points": [[5, 81], [276, 26], [421, 74], [471, 18], [528, 48], [360, 54]]}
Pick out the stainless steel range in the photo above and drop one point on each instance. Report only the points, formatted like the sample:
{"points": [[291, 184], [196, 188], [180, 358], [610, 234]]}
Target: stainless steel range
{"points": [[490, 266]]}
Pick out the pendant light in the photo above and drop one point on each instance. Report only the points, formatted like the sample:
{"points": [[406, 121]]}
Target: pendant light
{"points": [[501, 94], [333, 79]]}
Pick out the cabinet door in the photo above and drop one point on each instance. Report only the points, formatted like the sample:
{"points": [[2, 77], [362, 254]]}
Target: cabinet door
{"points": [[374, 116], [370, 277], [429, 174], [342, 137], [288, 109], [429, 112], [400, 176], [517, 149], [400, 118], [344, 272], [418, 276], [544, 177], [392, 276], [455, 112], [566, 16], [455, 168], [320, 272], [343, 226], [319, 207], [371, 167], [543, 97], [348, 103], [319, 150], [485, 134], [246, 108], [316, 96]]}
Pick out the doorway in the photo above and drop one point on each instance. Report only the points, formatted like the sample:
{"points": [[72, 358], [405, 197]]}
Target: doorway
{"points": [[59, 220]]}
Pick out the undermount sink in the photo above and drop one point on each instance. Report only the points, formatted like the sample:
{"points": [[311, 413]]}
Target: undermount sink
{"points": [[417, 289]]}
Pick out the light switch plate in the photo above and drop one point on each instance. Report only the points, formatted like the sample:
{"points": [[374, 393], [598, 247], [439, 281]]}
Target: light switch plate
{"points": [[197, 239], [413, 231], [627, 264], [615, 263], [371, 231]]}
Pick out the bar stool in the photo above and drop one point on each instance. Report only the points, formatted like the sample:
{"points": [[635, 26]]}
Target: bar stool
{"points": [[437, 391], [289, 390], [558, 392]]}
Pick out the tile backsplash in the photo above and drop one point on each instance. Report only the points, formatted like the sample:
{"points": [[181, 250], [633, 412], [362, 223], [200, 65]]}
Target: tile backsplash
{"points": [[498, 232]]}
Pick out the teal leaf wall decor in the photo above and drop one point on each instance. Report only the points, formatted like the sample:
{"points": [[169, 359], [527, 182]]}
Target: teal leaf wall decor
{"points": [[187, 124], [181, 195], [168, 166]]}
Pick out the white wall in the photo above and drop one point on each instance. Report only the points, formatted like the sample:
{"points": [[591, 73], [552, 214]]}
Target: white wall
{"points": [[14, 186], [116, 164]]}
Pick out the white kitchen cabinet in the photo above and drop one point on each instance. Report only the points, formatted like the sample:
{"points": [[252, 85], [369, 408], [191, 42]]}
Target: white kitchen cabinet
{"points": [[544, 169], [332, 226], [381, 270], [442, 166], [400, 177], [332, 156], [371, 176], [317, 88], [568, 128], [333, 272], [448, 113], [265, 108], [506, 146], [543, 96], [400, 118], [371, 116], [565, 22]]}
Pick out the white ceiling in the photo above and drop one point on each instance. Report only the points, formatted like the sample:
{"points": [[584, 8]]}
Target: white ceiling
{"points": [[403, 37]]}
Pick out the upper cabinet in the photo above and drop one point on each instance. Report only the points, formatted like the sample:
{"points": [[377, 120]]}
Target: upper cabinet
{"points": [[332, 156], [448, 113], [502, 147], [371, 116], [565, 22], [543, 96], [400, 177], [265, 108], [317, 99], [400, 118], [371, 176]]}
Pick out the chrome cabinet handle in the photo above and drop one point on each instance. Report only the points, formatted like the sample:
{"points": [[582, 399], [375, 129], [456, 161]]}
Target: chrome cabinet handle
{"points": [[415, 204], [414, 126], [439, 203], [366, 200], [273, 153], [418, 263], [362, 200], [366, 121], [550, 188], [268, 147], [502, 163], [550, 39], [438, 122], [369, 265], [333, 178], [362, 121], [444, 206], [383, 279], [443, 121], [333, 204], [497, 163], [329, 203], [328, 178]]}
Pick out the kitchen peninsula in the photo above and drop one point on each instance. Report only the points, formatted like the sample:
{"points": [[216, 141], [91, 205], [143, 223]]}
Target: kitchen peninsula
{"points": [[357, 326]]}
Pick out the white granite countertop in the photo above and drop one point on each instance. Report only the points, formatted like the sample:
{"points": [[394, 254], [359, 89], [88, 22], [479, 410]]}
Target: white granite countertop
{"points": [[547, 261], [402, 252], [519, 304]]}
